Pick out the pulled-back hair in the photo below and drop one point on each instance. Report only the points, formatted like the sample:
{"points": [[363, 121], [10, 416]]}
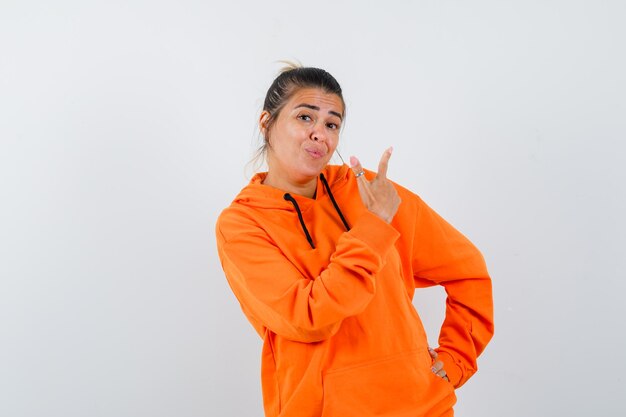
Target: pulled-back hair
{"points": [[294, 77]]}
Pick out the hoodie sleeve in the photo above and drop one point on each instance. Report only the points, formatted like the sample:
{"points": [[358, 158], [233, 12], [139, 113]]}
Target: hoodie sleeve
{"points": [[274, 294], [442, 255]]}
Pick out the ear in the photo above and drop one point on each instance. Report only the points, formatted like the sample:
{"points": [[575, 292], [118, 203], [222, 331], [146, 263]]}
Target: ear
{"points": [[265, 116]]}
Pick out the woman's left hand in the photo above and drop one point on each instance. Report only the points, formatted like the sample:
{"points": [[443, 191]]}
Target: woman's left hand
{"points": [[378, 195], [437, 367]]}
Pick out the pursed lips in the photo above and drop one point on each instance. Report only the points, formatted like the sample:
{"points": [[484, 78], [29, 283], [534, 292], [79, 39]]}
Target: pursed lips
{"points": [[315, 152]]}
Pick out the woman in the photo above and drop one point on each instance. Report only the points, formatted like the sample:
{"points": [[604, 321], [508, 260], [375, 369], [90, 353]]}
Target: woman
{"points": [[324, 261]]}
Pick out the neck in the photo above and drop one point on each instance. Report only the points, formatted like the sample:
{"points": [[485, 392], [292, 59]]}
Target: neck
{"points": [[305, 188]]}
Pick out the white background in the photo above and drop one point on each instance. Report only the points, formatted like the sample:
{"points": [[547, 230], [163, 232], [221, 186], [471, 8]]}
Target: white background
{"points": [[125, 129]]}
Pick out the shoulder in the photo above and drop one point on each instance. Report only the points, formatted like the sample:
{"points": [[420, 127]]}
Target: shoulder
{"points": [[409, 198], [234, 220]]}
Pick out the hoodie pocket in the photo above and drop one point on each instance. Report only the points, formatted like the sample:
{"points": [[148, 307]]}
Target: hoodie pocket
{"points": [[396, 386]]}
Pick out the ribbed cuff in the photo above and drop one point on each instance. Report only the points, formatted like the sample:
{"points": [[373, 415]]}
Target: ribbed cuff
{"points": [[375, 232], [452, 368]]}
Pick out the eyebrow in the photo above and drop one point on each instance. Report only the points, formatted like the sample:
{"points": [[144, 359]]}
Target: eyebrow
{"points": [[312, 107]]}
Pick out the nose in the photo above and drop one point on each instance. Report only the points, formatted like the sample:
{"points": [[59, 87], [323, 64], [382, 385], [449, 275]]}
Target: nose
{"points": [[317, 133]]}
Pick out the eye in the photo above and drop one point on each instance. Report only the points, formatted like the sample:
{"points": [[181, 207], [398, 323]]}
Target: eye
{"points": [[304, 117], [333, 126]]}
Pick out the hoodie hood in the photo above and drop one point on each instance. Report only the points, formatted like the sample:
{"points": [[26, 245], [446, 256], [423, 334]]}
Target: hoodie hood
{"points": [[261, 196]]}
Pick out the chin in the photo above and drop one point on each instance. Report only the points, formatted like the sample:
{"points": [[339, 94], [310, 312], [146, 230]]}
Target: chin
{"points": [[310, 168], [309, 172]]}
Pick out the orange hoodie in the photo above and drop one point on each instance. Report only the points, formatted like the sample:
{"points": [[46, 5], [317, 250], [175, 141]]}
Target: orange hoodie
{"points": [[329, 290]]}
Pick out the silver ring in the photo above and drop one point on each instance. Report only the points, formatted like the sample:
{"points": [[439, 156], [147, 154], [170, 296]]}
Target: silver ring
{"points": [[359, 174]]}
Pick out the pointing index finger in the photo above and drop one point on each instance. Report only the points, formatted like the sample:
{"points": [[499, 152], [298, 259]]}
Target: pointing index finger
{"points": [[384, 163]]}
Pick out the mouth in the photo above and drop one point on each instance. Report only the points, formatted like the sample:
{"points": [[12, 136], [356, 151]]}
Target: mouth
{"points": [[315, 153]]}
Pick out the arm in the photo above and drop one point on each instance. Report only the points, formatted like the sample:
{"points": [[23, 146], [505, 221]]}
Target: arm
{"points": [[276, 295], [442, 255]]}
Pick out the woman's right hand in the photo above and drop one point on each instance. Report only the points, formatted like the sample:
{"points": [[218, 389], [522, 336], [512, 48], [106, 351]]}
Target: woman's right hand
{"points": [[379, 195]]}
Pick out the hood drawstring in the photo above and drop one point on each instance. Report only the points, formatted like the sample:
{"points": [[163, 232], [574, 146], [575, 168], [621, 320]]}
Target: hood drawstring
{"points": [[289, 198], [292, 200], [343, 219]]}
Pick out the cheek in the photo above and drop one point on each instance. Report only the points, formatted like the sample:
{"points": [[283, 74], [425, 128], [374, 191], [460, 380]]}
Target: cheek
{"points": [[291, 137], [333, 142]]}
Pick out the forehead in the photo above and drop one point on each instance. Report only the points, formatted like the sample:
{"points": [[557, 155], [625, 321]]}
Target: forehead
{"points": [[316, 97]]}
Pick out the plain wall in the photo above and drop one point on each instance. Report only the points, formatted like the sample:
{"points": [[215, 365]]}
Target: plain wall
{"points": [[125, 128]]}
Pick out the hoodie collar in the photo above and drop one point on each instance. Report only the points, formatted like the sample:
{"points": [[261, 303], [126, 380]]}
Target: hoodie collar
{"points": [[256, 194]]}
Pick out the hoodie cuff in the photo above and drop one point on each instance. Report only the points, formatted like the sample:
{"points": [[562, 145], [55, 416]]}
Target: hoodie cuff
{"points": [[453, 370], [375, 233]]}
